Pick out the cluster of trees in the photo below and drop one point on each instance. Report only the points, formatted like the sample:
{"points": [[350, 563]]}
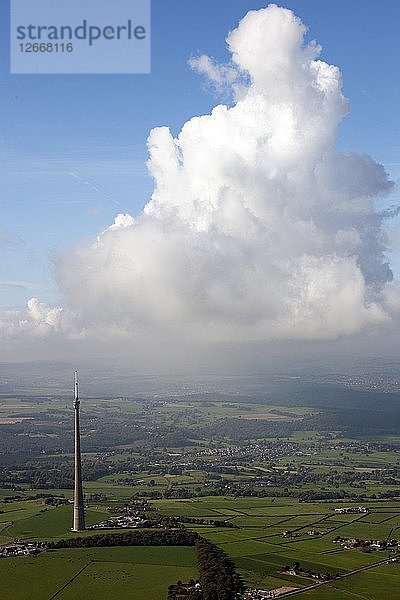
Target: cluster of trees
{"points": [[218, 576], [300, 475], [185, 591], [55, 501], [142, 537], [354, 420], [21, 440], [387, 494], [172, 492], [50, 475], [254, 489]]}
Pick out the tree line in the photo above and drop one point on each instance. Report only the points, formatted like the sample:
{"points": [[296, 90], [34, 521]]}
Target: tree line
{"points": [[218, 577], [142, 537]]}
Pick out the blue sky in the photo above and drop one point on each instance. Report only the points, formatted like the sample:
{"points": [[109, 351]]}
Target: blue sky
{"points": [[73, 147]]}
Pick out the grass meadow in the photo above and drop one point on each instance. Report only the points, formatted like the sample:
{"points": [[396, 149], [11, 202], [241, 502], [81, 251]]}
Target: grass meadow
{"points": [[101, 573], [260, 552]]}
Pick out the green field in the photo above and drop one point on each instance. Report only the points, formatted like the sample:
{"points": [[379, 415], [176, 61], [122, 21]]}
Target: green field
{"points": [[255, 543], [101, 573], [380, 583], [260, 552], [39, 523]]}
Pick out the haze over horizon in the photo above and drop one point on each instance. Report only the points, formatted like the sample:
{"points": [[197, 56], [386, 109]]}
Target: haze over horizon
{"points": [[262, 240]]}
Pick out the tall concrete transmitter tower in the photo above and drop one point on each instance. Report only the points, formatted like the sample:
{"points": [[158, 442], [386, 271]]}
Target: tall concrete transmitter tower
{"points": [[79, 510]]}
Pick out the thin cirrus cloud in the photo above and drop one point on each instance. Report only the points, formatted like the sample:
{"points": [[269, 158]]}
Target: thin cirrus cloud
{"points": [[257, 229]]}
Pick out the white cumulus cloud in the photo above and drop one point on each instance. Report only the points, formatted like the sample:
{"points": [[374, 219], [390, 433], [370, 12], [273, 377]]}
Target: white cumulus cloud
{"points": [[257, 228]]}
